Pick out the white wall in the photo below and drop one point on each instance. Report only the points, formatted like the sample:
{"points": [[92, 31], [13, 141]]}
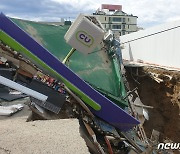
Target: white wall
{"points": [[159, 45]]}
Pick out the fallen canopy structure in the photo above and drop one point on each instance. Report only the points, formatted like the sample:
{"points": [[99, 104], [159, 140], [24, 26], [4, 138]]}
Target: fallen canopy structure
{"points": [[97, 68], [19, 40]]}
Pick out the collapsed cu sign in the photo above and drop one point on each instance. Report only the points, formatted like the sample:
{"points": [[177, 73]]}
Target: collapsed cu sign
{"points": [[84, 38]]}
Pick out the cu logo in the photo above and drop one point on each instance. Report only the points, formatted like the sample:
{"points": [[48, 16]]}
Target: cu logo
{"points": [[84, 38]]}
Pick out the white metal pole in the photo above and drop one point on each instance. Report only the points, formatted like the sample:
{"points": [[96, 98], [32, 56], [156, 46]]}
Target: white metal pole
{"points": [[22, 89]]}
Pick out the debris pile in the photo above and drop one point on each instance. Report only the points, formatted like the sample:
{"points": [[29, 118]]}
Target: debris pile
{"points": [[104, 138], [108, 138], [105, 126]]}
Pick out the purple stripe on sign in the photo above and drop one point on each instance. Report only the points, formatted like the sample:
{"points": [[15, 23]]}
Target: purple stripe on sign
{"points": [[109, 112]]}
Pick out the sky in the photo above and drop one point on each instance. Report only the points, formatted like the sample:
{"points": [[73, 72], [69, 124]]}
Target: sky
{"points": [[150, 12]]}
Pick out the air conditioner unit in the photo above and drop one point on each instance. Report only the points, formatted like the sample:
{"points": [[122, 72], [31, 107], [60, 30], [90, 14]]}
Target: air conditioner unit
{"points": [[85, 34]]}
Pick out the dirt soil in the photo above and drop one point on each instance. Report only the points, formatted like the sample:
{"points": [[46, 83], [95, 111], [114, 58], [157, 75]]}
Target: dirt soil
{"points": [[163, 96]]}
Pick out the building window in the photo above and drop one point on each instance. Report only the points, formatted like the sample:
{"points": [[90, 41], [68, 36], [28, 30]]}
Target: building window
{"points": [[115, 19], [123, 33], [128, 26], [105, 18], [123, 27], [124, 20], [116, 26], [128, 19]]}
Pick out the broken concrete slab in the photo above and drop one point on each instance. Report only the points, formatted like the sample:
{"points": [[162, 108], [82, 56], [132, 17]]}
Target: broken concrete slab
{"points": [[49, 136]]}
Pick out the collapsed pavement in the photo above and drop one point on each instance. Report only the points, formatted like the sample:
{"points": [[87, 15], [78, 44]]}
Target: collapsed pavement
{"points": [[52, 136]]}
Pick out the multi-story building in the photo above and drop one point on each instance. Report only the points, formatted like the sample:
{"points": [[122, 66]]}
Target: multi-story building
{"points": [[112, 17]]}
